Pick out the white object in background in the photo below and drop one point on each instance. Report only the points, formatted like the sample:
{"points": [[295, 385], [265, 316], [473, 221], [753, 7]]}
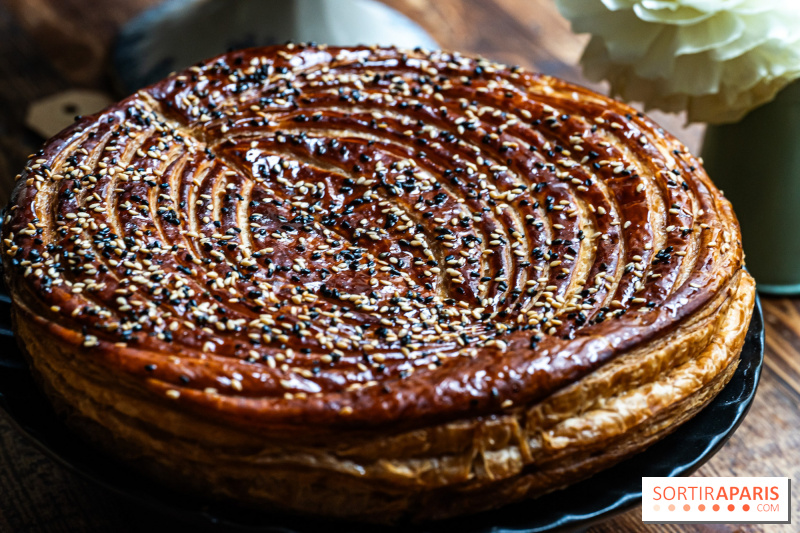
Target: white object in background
{"points": [[179, 33], [717, 59], [50, 115]]}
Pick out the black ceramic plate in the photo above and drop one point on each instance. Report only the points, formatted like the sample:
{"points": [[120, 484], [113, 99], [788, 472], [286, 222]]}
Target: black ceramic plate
{"points": [[610, 492]]}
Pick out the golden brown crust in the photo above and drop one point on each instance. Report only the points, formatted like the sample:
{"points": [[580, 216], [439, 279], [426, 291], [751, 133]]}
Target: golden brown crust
{"points": [[360, 282]]}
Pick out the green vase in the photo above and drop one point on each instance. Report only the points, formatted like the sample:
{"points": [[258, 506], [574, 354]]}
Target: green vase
{"points": [[756, 162]]}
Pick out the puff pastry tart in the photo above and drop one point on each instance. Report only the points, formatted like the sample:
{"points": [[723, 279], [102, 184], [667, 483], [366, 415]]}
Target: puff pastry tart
{"points": [[373, 283]]}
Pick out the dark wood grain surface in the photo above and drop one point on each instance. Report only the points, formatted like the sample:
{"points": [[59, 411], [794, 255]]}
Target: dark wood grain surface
{"points": [[47, 46]]}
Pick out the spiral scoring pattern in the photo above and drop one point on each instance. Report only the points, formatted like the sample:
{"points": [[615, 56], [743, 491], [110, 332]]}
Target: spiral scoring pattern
{"points": [[364, 235]]}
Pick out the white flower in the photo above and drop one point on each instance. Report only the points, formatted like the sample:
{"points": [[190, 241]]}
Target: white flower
{"points": [[718, 59]]}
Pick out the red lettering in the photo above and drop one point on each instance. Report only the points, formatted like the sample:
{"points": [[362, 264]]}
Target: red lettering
{"points": [[774, 492], [709, 495], [657, 490], [721, 494], [681, 493], [745, 494], [733, 492], [665, 493]]}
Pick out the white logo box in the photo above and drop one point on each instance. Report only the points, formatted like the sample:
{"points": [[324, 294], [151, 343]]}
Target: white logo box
{"points": [[721, 500]]}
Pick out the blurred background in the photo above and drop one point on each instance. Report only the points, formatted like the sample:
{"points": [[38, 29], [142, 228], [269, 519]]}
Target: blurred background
{"points": [[59, 58]]}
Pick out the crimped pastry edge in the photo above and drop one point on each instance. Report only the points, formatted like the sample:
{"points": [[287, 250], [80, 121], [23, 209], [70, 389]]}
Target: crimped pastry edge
{"points": [[181, 449]]}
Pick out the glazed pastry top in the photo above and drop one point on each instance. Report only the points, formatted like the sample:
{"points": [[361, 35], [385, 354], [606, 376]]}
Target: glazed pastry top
{"points": [[362, 236]]}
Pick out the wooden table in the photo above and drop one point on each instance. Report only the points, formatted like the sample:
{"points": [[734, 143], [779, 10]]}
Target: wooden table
{"points": [[51, 45]]}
